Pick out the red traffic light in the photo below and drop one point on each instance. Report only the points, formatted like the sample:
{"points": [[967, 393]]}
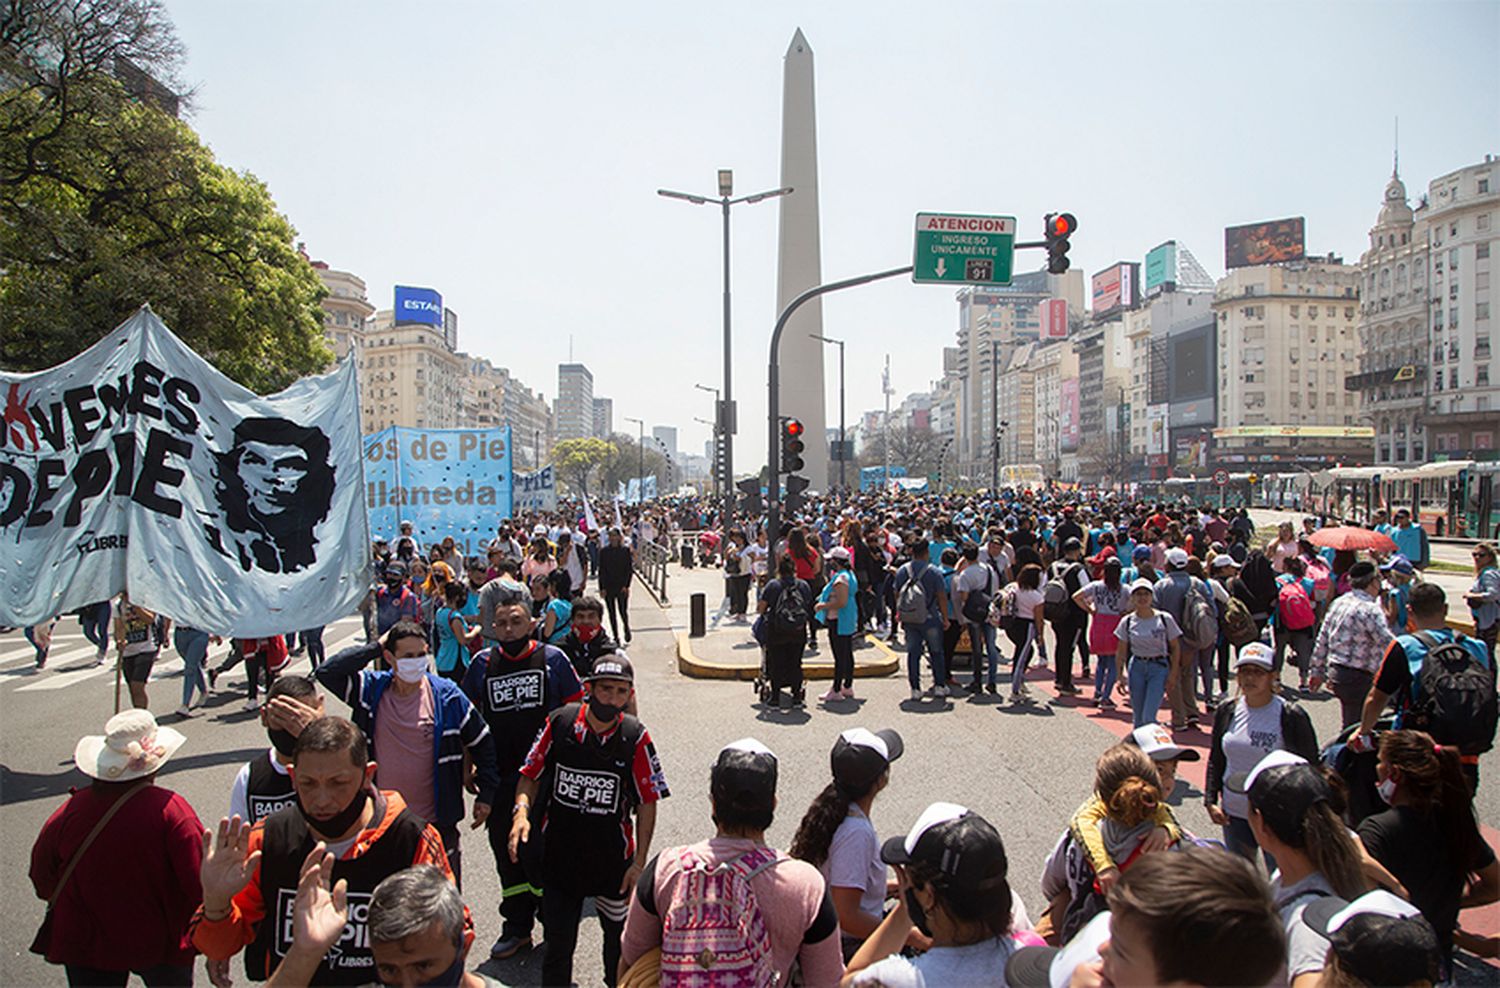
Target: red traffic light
{"points": [[1061, 225], [793, 428]]}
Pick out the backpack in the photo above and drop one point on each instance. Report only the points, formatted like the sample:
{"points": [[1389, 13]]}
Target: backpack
{"points": [[789, 615], [1239, 626], [713, 932], [1057, 603], [1200, 623], [1003, 609], [1293, 609], [911, 603], [1322, 578], [977, 603], [1454, 696]]}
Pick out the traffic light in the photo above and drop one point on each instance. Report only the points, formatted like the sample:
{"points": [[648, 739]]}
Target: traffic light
{"points": [[750, 504], [791, 446], [793, 500], [1058, 228]]}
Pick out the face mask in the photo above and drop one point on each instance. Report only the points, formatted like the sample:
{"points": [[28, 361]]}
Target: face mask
{"points": [[604, 712], [411, 670], [515, 647], [283, 741], [449, 978], [917, 913], [1387, 790], [586, 632], [340, 823]]}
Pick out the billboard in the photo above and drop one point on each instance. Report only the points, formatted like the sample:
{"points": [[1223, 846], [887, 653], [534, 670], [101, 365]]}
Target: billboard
{"points": [[1156, 430], [422, 305], [1114, 288], [1191, 364], [450, 330], [444, 481], [1161, 267], [1296, 432], [1054, 317], [1264, 243], [1190, 451], [1068, 421]]}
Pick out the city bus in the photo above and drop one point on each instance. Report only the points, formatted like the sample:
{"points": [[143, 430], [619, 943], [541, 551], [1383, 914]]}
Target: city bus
{"points": [[1456, 498]]}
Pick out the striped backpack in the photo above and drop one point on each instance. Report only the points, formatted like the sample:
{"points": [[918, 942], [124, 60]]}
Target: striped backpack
{"points": [[713, 932]]}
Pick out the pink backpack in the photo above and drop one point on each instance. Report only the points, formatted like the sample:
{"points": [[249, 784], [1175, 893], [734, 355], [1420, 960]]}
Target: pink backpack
{"points": [[1293, 609], [1322, 578], [713, 933]]}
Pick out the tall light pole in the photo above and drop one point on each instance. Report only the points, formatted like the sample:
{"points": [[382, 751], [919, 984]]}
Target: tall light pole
{"points": [[885, 385], [725, 413], [843, 476], [994, 415], [718, 437], [640, 445]]}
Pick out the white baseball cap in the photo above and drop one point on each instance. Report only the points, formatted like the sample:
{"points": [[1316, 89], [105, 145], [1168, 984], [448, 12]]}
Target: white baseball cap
{"points": [[1255, 654], [1177, 556], [1156, 741]]}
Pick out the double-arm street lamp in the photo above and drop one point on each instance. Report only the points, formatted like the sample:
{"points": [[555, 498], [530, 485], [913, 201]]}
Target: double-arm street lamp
{"points": [[725, 412], [640, 445]]}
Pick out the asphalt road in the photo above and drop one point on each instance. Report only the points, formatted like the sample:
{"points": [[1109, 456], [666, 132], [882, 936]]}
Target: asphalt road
{"points": [[1025, 768]]}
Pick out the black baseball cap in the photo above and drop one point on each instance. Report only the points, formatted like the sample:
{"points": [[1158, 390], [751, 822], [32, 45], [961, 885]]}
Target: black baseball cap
{"points": [[744, 776], [612, 665], [860, 757], [1379, 938], [1283, 787], [962, 845]]}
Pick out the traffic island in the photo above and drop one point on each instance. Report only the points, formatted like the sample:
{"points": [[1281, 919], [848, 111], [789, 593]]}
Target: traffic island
{"points": [[730, 653]]}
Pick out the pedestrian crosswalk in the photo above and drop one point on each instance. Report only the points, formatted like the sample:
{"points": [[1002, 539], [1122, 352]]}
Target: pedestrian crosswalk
{"points": [[70, 660]]}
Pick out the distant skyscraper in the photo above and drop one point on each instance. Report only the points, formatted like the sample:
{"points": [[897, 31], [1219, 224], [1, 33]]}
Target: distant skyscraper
{"points": [[800, 265], [604, 417], [667, 436], [574, 410]]}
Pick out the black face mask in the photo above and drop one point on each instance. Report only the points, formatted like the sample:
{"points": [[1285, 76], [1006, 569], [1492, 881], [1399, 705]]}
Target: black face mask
{"points": [[283, 741], [917, 913], [449, 978], [604, 712], [515, 647], [336, 827]]}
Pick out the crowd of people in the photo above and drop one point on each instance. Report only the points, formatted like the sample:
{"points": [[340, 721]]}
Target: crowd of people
{"points": [[489, 695]]}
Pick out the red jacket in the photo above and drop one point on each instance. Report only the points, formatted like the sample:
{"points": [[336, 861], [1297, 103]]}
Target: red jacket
{"points": [[127, 904]]}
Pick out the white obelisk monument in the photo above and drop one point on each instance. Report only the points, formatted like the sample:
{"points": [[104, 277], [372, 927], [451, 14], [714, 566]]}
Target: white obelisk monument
{"points": [[799, 261]]}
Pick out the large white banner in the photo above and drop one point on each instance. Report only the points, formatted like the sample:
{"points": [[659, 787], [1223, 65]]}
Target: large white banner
{"points": [[138, 467]]}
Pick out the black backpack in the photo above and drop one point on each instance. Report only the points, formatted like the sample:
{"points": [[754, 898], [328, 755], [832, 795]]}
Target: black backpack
{"points": [[789, 614], [977, 603], [1454, 696]]}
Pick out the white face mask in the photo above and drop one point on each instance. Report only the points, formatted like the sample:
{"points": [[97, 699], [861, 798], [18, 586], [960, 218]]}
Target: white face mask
{"points": [[411, 670], [1387, 790]]}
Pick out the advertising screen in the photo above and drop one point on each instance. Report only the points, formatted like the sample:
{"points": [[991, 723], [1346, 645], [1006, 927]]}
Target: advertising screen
{"points": [[1161, 267], [1054, 317], [1192, 365], [1264, 243], [1068, 422], [1114, 288], [450, 329], [421, 305], [1156, 430]]}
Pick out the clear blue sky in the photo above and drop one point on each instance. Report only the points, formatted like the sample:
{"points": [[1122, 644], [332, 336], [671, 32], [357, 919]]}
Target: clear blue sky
{"points": [[508, 154]]}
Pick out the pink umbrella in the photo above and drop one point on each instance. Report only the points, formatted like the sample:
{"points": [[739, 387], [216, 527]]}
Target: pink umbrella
{"points": [[1352, 538]]}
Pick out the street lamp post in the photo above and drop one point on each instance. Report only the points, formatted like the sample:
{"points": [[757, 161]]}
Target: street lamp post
{"points": [[725, 414], [843, 457], [718, 434], [640, 446], [994, 415]]}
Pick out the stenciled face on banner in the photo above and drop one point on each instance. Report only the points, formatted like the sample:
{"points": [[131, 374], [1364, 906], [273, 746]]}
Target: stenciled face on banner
{"points": [[273, 486]]}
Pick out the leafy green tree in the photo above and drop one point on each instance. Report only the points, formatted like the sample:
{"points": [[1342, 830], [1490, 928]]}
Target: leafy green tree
{"points": [[577, 459], [112, 202]]}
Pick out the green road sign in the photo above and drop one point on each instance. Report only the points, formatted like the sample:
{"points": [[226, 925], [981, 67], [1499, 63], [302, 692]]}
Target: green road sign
{"points": [[967, 250]]}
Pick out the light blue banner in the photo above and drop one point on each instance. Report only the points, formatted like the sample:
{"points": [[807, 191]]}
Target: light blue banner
{"points": [[445, 482], [631, 489]]}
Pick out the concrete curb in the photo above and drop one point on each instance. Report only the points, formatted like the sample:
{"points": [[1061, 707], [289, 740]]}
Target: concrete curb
{"points": [[690, 665]]}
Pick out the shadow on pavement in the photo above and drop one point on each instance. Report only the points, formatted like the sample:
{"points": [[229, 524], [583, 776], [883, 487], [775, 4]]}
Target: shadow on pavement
{"points": [[23, 787]]}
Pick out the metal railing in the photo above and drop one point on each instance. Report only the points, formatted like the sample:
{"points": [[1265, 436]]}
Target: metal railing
{"points": [[651, 568]]}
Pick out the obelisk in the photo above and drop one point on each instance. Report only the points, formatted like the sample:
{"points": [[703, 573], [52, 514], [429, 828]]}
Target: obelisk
{"points": [[799, 261]]}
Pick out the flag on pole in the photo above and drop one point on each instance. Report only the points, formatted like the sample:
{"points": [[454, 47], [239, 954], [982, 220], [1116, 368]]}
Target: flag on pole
{"points": [[588, 514]]}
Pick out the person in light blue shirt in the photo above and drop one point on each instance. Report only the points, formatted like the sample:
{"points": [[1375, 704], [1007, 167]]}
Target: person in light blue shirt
{"points": [[454, 634], [838, 609], [1411, 540], [1483, 597]]}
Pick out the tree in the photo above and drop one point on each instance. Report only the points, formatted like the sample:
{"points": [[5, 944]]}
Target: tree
{"points": [[576, 460], [111, 202], [916, 449], [626, 464]]}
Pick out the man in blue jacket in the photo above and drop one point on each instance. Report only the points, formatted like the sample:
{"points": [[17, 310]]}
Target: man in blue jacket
{"points": [[422, 725]]}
